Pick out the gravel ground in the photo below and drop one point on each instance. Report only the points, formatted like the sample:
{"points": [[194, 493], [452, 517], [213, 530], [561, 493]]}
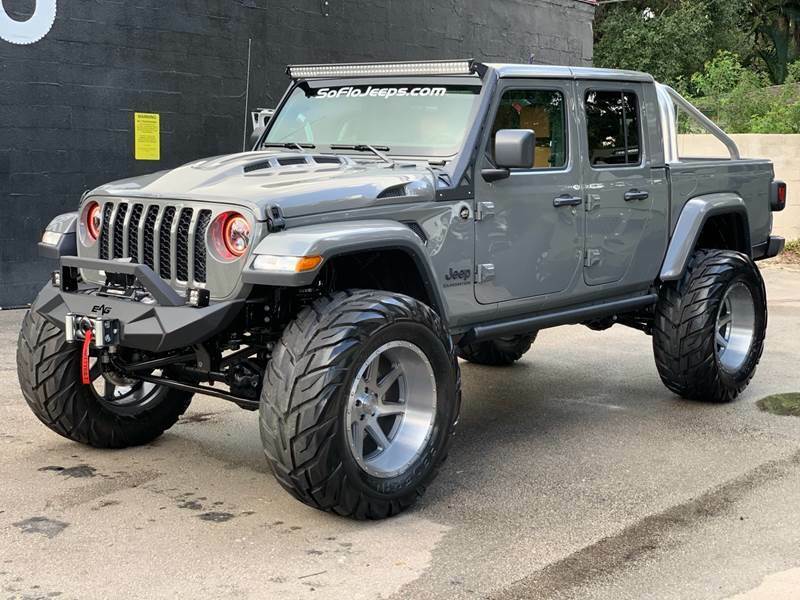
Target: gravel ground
{"points": [[574, 474]]}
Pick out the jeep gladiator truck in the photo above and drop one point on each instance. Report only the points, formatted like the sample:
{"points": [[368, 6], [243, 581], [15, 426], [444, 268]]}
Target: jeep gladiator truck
{"points": [[391, 218]]}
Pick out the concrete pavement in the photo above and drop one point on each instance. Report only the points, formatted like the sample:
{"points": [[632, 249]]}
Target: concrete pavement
{"points": [[574, 474]]}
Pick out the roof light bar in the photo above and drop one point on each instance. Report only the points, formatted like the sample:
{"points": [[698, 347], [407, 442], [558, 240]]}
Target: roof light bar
{"points": [[434, 67]]}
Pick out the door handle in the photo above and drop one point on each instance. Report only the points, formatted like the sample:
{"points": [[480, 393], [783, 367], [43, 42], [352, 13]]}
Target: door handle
{"points": [[636, 195], [567, 200]]}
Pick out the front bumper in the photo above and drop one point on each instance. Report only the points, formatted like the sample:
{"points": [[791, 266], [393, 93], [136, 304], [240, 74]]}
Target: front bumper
{"points": [[158, 324]]}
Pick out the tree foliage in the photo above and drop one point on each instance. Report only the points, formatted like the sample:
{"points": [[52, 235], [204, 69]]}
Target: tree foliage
{"points": [[671, 39], [727, 54]]}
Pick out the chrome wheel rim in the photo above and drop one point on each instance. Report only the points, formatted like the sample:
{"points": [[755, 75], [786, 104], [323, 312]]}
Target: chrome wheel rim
{"points": [[119, 394], [735, 327], [391, 409]]}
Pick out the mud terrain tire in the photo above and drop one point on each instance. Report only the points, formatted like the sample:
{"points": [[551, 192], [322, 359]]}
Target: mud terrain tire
{"points": [[307, 393]]}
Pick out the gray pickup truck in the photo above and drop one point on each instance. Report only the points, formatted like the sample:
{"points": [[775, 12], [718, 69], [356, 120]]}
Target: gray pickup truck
{"points": [[391, 218]]}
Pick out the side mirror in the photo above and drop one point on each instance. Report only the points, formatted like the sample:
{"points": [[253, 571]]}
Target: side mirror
{"points": [[513, 149]]}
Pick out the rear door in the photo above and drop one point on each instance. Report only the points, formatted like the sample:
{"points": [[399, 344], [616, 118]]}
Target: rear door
{"points": [[616, 175], [529, 228]]}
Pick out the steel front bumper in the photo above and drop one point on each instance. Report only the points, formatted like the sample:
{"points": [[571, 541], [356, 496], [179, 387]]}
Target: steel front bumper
{"points": [[164, 322]]}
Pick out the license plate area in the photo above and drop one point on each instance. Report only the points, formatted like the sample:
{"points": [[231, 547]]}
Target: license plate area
{"points": [[105, 332]]}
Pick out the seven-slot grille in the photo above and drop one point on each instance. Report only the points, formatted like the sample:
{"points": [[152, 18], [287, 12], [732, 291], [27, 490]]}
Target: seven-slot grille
{"points": [[168, 239]]}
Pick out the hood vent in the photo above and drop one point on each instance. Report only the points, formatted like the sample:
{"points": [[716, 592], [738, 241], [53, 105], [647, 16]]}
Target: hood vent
{"points": [[328, 160], [264, 164], [276, 162], [396, 191], [292, 160]]}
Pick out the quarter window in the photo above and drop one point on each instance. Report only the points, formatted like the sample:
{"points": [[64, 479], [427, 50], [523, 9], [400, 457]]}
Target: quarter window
{"points": [[543, 112], [612, 121]]}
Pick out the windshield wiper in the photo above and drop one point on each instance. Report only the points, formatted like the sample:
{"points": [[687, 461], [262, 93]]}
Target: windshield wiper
{"points": [[376, 150], [288, 145]]}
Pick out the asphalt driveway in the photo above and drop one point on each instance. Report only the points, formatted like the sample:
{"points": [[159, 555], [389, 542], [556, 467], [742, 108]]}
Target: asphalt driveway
{"points": [[575, 474]]}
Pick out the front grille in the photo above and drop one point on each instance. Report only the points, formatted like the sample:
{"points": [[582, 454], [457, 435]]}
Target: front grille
{"points": [[149, 236], [182, 262], [108, 210], [203, 221], [169, 240], [119, 225], [165, 243], [133, 232]]}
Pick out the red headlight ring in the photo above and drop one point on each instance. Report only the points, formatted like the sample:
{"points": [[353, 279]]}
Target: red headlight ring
{"points": [[236, 234], [94, 220]]}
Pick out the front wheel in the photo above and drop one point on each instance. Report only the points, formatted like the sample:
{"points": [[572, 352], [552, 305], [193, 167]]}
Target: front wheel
{"points": [[709, 328], [111, 412], [360, 402]]}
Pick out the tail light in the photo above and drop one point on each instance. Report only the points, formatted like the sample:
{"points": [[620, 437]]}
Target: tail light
{"points": [[94, 220], [778, 196], [230, 235]]}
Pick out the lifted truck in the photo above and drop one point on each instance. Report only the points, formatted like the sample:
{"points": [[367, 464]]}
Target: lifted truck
{"points": [[391, 218]]}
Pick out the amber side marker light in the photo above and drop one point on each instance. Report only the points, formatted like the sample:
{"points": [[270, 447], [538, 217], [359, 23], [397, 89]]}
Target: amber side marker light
{"points": [[286, 264]]}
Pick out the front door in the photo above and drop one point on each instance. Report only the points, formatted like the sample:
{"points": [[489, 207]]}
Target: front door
{"points": [[618, 186], [529, 227]]}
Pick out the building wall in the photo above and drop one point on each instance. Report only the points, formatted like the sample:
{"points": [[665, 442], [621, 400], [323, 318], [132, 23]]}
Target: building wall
{"points": [[782, 150], [67, 101]]}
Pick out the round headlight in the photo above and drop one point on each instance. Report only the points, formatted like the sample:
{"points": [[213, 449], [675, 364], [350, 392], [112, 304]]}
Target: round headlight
{"points": [[236, 234], [230, 236], [94, 220]]}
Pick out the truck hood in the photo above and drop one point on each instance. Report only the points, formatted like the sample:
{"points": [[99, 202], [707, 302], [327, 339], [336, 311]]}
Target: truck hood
{"points": [[300, 183]]}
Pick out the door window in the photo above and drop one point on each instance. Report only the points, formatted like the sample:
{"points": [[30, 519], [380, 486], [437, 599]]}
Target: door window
{"points": [[612, 122], [543, 112]]}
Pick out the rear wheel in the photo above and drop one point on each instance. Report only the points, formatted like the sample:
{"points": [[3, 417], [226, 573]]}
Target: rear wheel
{"points": [[359, 403], [111, 412], [709, 327], [499, 352]]}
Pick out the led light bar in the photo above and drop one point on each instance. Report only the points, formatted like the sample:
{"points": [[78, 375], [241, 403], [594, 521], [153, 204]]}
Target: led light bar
{"points": [[433, 67]]}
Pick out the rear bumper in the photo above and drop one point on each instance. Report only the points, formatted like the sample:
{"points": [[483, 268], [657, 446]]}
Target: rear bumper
{"points": [[772, 247], [151, 325]]}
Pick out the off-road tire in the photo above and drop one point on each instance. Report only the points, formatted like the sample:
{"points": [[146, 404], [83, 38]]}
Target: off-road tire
{"points": [[306, 390], [497, 353], [684, 327], [49, 375]]}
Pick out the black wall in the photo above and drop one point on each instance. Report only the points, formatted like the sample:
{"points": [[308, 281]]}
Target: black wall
{"points": [[67, 101]]}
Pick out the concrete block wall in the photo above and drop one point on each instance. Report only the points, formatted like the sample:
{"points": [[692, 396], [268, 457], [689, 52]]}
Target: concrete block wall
{"points": [[782, 150], [67, 101]]}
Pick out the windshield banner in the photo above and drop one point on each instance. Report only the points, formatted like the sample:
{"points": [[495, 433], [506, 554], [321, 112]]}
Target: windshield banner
{"points": [[379, 92]]}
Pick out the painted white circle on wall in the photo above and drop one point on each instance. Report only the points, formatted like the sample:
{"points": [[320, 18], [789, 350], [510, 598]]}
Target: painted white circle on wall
{"points": [[35, 28]]}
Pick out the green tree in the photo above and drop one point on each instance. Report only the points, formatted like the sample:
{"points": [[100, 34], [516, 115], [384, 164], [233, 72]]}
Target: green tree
{"points": [[671, 39], [776, 30]]}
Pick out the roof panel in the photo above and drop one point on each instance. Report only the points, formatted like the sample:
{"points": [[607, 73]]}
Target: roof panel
{"points": [[563, 72]]}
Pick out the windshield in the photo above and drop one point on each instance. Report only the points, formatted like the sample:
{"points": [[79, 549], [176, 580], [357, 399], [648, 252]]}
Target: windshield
{"points": [[412, 120]]}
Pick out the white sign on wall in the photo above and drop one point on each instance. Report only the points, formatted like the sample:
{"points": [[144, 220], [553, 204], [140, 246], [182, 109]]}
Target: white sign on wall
{"points": [[35, 28]]}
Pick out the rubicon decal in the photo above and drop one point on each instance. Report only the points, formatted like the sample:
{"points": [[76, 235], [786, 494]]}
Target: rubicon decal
{"points": [[379, 92]]}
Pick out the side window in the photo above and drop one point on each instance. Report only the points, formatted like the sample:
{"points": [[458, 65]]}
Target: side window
{"points": [[543, 112], [612, 122]]}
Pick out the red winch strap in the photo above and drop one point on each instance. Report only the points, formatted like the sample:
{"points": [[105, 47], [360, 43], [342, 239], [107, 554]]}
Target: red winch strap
{"points": [[87, 343]]}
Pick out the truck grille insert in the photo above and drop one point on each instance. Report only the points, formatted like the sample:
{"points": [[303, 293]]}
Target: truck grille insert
{"points": [[203, 221], [165, 243], [168, 239], [119, 225], [182, 251]]}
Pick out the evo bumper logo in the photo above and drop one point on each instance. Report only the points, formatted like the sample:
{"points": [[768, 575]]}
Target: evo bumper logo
{"points": [[34, 29]]}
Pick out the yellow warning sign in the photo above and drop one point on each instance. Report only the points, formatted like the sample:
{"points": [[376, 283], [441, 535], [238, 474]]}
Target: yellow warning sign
{"points": [[147, 134]]}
